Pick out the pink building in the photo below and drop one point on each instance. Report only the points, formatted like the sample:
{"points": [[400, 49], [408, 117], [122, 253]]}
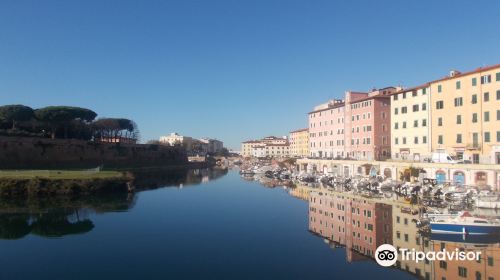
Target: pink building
{"points": [[357, 127], [356, 223], [326, 130]]}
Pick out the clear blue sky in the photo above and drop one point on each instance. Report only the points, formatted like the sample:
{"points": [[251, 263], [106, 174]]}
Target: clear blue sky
{"points": [[231, 69]]}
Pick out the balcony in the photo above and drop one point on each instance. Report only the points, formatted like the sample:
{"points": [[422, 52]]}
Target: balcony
{"points": [[473, 146]]}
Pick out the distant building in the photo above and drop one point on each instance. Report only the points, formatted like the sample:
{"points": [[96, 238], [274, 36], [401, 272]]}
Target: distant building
{"points": [[213, 145], [194, 147], [270, 146], [299, 143], [176, 139], [247, 146], [123, 140]]}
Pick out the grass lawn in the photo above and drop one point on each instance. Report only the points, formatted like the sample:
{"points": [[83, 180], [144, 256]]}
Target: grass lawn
{"points": [[58, 174]]}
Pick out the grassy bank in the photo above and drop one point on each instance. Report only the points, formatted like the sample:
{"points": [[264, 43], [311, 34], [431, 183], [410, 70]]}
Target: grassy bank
{"points": [[58, 174], [60, 182]]}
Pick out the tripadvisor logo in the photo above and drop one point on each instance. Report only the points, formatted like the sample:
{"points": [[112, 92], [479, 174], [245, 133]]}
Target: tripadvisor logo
{"points": [[387, 255]]}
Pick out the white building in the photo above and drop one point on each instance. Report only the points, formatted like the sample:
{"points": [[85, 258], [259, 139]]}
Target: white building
{"points": [[176, 139]]}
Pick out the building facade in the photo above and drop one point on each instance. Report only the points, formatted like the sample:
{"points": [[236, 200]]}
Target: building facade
{"points": [[176, 139], [270, 146], [299, 143], [356, 127], [326, 130], [410, 124], [465, 115], [247, 146], [194, 147], [368, 125], [212, 145]]}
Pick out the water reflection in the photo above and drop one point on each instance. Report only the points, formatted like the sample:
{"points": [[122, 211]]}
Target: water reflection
{"points": [[361, 224], [150, 178], [54, 217]]}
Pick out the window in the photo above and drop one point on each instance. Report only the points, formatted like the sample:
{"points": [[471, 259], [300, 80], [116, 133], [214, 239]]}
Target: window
{"points": [[424, 106], [396, 125], [498, 115], [459, 119], [424, 139], [474, 82], [498, 136], [404, 140], [486, 97], [415, 123], [462, 271], [414, 93], [475, 139], [498, 94], [486, 116], [490, 261], [415, 108], [498, 77], [440, 139], [404, 124], [486, 137], [396, 141], [474, 99], [404, 110], [474, 117], [424, 91], [440, 121], [443, 265], [395, 97], [459, 138], [457, 85], [486, 79], [404, 95], [415, 140], [395, 111], [439, 88], [424, 122], [439, 105], [458, 102]]}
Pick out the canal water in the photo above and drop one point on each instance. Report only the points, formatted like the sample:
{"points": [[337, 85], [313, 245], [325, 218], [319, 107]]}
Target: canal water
{"points": [[203, 226]]}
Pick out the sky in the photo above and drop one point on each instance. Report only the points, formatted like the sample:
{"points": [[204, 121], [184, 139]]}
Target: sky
{"points": [[228, 69]]}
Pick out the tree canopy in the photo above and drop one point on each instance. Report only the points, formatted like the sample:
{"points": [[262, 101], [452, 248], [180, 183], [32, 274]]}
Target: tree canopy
{"points": [[112, 128], [65, 122], [63, 115], [15, 113]]}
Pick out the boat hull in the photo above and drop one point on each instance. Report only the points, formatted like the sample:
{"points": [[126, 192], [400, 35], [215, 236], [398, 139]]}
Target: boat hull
{"points": [[464, 228]]}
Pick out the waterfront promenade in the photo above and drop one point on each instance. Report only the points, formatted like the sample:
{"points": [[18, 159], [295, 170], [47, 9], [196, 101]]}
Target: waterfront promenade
{"points": [[464, 174]]}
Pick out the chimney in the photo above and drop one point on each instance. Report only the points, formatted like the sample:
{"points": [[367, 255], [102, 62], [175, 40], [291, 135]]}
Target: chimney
{"points": [[454, 73]]}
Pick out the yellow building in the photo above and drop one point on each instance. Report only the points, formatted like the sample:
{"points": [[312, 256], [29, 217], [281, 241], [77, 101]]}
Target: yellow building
{"points": [[247, 147], [465, 114], [410, 124], [299, 143]]}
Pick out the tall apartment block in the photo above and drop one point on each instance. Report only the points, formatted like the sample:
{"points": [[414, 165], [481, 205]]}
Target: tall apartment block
{"points": [[357, 127], [459, 114]]}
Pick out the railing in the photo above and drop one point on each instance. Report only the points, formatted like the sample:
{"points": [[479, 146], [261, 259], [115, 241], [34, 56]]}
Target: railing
{"points": [[473, 146]]}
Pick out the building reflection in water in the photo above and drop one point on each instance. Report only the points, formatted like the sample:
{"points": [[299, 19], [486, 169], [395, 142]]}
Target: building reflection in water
{"points": [[362, 224]]}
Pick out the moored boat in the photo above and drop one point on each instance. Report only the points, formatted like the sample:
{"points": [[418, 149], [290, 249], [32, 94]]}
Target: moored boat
{"points": [[464, 224]]}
